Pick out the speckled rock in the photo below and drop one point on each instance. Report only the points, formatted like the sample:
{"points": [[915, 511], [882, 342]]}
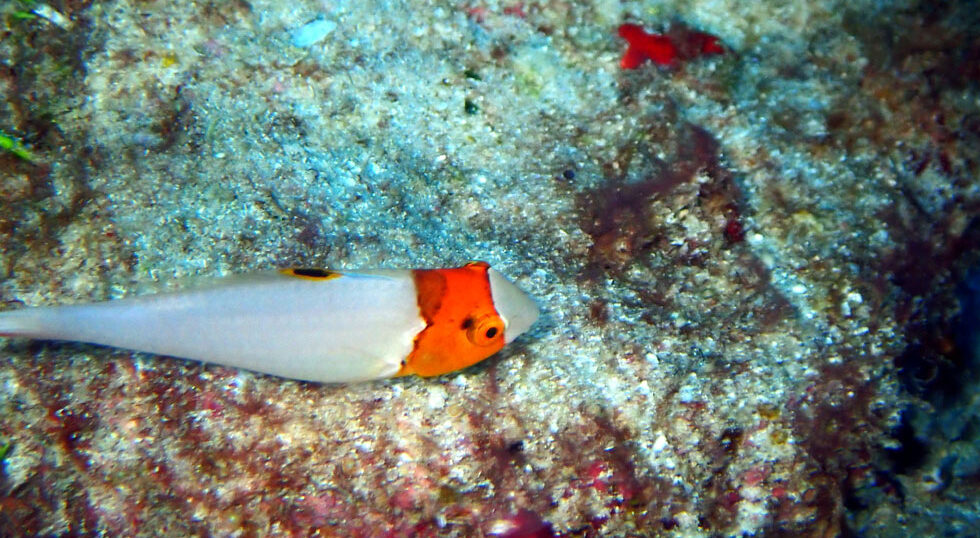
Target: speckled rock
{"points": [[727, 254]]}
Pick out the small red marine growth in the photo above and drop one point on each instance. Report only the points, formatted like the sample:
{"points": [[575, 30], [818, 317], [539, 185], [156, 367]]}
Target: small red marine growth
{"points": [[680, 43]]}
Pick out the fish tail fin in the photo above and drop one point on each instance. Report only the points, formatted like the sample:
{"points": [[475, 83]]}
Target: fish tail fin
{"points": [[19, 324]]}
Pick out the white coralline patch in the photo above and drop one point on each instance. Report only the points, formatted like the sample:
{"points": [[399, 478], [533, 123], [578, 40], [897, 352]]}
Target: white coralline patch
{"points": [[437, 398], [312, 33]]}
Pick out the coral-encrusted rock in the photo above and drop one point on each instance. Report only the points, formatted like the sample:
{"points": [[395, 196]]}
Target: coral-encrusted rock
{"points": [[727, 254]]}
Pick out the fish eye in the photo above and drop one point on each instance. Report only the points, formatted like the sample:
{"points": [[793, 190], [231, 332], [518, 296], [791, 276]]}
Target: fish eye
{"points": [[483, 331]]}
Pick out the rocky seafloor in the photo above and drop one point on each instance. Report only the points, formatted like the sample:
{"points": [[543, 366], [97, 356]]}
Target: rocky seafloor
{"points": [[755, 267]]}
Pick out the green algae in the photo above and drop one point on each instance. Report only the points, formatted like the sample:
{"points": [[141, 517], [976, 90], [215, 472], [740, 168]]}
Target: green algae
{"points": [[14, 146], [24, 14]]}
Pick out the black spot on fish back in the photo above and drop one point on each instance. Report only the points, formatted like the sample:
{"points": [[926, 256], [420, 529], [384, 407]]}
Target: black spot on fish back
{"points": [[311, 273]]}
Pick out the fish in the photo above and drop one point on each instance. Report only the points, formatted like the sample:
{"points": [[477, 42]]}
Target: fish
{"points": [[307, 324]]}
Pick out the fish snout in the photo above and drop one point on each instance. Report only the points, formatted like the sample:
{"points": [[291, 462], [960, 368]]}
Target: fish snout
{"points": [[515, 307]]}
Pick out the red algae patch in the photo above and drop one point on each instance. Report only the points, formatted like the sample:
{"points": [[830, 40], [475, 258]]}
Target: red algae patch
{"points": [[678, 45]]}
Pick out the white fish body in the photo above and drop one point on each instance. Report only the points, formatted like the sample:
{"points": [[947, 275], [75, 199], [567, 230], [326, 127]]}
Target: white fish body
{"points": [[302, 324]]}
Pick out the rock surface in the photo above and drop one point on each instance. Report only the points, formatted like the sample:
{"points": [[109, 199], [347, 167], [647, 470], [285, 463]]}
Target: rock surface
{"points": [[729, 254]]}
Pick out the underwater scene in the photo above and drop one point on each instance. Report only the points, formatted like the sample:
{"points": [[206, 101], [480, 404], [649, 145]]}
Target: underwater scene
{"points": [[489, 268]]}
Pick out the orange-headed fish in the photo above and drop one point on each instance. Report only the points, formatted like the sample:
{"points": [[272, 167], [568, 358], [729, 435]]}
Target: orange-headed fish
{"points": [[312, 324]]}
